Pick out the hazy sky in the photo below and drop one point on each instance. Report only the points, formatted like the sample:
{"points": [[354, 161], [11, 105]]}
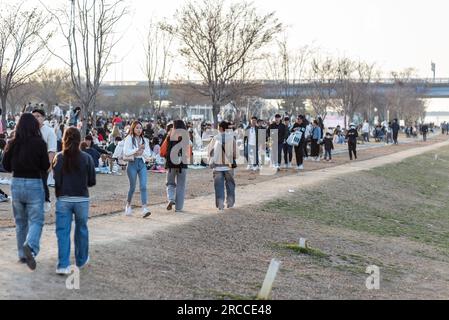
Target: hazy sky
{"points": [[395, 34]]}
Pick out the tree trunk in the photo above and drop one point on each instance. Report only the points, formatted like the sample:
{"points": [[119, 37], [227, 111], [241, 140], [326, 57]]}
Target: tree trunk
{"points": [[4, 111], [215, 112], [84, 118]]}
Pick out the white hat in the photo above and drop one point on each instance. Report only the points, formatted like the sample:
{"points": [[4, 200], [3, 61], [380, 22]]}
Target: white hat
{"points": [[352, 124]]}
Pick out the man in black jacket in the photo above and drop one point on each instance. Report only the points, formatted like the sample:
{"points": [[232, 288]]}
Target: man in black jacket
{"points": [[424, 131], [288, 150], [351, 136], [281, 130], [395, 127]]}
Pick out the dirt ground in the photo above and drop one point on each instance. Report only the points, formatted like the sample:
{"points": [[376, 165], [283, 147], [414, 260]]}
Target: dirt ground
{"points": [[109, 196], [202, 254]]}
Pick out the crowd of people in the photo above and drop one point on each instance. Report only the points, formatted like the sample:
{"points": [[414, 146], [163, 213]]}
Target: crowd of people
{"points": [[44, 150]]}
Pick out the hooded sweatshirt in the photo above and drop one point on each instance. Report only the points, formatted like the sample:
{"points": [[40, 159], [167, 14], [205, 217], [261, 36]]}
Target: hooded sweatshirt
{"points": [[222, 157]]}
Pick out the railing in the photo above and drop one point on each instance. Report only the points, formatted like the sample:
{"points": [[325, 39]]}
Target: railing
{"points": [[290, 82]]}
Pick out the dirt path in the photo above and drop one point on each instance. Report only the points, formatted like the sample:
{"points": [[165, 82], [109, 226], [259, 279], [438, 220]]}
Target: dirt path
{"points": [[116, 242]]}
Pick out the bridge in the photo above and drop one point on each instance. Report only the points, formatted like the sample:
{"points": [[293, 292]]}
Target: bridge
{"points": [[268, 89]]}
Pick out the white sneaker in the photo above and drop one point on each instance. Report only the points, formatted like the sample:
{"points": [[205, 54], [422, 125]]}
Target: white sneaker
{"points": [[301, 167], [317, 159], [248, 167], [128, 210], [63, 271], [47, 206]]}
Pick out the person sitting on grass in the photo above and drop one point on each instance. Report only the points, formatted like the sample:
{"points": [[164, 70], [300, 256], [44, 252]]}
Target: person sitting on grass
{"points": [[92, 152]]}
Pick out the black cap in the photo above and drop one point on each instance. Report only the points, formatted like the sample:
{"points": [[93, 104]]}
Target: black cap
{"points": [[277, 116], [41, 111]]}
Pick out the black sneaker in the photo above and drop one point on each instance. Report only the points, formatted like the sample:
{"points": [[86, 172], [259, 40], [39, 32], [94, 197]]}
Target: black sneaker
{"points": [[30, 261], [146, 214], [22, 261], [170, 205]]}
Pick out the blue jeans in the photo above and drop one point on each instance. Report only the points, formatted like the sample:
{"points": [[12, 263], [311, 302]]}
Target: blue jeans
{"points": [[134, 169], [176, 186], [64, 216], [28, 208], [222, 179]]}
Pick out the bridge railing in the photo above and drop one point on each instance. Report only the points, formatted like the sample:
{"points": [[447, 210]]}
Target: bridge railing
{"points": [[290, 82]]}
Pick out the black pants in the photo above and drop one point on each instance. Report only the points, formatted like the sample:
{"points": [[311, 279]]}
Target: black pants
{"points": [[395, 137], [328, 153], [315, 152], [288, 153], [44, 181], [299, 154], [305, 151], [280, 148], [352, 146]]}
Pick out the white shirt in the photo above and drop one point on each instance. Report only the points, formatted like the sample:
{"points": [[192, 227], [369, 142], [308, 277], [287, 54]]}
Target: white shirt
{"points": [[49, 136], [365, 128], [129, 149], [252, 136]]}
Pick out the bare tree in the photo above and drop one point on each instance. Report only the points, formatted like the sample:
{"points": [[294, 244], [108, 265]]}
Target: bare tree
{"points": [[88, 28], [218, 42], [402, 101], [53, 86], [354, 80], [323, 86], [20, 96], [23, 38], [158, 62], [286, 69]]}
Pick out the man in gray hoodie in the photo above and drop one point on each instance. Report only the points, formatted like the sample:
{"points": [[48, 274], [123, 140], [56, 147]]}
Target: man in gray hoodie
{"points": [[223, 152]]}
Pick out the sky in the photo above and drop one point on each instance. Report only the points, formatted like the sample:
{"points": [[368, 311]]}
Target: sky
{"points": [[394, 34]]}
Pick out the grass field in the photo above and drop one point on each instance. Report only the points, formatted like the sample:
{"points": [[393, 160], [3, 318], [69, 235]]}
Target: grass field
{"points": [[408, 199]]}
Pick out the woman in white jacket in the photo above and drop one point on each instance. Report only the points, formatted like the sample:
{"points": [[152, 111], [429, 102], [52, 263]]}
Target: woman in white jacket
{"points": [[136, 151]]}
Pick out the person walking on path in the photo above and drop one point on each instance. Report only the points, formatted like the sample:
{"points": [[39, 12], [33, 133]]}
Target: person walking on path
{"points": [[277, 127], [365, 131], [223, 151], [74, 173], [26, 157], [316, 137], [288, 149], [251, 145], [136, 151], [424, 131], [395, 127], [176, 162], [49, 136], [328, 146], [300, 126], [351, 137]]}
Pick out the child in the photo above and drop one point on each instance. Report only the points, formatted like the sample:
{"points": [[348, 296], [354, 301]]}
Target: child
{"points": [[328, 146]]}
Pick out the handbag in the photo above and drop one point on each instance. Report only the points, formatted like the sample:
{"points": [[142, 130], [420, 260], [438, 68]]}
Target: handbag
{"points": [[294, 139]]}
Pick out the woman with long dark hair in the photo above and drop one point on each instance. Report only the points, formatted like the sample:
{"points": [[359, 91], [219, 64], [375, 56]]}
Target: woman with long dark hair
{"points": [[176, 164], [26, 157], [136, 151], [74, 173]]}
